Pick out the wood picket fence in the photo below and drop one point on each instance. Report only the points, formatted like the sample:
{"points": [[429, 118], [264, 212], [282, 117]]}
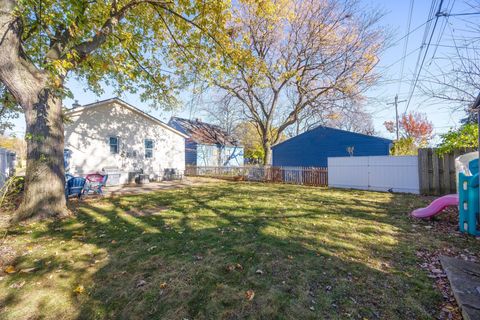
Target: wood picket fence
{"points": [[437, 174], [310, 176]]}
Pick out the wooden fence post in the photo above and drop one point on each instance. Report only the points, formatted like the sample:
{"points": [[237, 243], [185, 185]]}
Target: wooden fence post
{"points": [[423, 171]]}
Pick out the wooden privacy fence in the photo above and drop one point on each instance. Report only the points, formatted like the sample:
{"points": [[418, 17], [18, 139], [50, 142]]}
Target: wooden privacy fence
{"points": [[437, 174], [293, 175]]}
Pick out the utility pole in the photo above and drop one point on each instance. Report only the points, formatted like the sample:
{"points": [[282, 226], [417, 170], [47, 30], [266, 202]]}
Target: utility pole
{"points": [[395, 103]]}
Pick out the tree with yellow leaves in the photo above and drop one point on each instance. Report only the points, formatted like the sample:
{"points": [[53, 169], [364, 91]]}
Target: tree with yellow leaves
{"points": [[286, 56], [131, 45]]}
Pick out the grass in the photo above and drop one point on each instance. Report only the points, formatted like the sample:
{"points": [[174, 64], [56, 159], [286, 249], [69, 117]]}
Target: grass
{"points": [[305, 253]]}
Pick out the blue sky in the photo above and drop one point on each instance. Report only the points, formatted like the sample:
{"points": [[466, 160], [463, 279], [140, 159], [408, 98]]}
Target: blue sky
{"points": [[396, 18]]}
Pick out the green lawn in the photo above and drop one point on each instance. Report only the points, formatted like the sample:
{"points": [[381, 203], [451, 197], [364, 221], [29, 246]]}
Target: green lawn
{"points": [[194, 253]]}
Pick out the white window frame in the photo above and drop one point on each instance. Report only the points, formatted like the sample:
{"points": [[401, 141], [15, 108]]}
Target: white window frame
{"points": [[117, 144], [148, 149]]}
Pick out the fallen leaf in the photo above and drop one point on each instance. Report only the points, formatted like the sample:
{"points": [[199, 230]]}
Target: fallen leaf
{"points": [[10, 269], [249, 294], [79, 289], [28, 270]]}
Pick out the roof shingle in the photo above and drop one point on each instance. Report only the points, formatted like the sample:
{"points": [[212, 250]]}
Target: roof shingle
{"points": [[203, 133]]}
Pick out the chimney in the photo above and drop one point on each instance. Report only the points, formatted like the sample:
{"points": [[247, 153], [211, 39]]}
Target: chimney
{"points": [[75, 104]]}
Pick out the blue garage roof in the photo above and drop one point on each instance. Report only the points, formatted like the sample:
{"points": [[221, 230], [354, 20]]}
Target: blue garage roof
{"points": [[312, 148]]}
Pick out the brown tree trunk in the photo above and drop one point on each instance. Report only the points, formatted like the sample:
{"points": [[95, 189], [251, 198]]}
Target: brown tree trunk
{"points": [[44, 194]]}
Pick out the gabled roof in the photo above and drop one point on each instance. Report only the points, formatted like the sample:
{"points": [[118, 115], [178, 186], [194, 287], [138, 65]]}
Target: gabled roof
{"points": [[203, 133], [332, 129], [125, 105]]}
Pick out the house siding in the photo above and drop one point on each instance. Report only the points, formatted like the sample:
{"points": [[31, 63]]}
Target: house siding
{"points": [[201, 153], [232, 156], [207, 155], [87, 137], [213, 155], [312, 148], [190, 153]]}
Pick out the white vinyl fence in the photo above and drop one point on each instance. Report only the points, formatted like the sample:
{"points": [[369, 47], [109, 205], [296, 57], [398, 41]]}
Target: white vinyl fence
{"points": [[380, 173], [7, 165]]}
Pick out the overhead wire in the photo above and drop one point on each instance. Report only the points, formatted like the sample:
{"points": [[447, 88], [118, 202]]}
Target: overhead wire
{"points": [[443, 27], [438, 15], [405, 45]]}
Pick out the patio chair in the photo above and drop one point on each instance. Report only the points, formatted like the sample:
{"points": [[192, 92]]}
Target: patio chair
{"points": [[95, 182], [74, 187]]}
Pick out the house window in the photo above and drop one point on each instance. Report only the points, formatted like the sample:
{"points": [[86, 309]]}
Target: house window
{"points": [[113, 142], [148, 148]]}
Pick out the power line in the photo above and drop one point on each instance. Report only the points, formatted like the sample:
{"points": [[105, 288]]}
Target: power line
{"points": [[424, 39], [416, 28], [404, 55], [444, 26], [463, 14], [438, 15], [397, 61]]}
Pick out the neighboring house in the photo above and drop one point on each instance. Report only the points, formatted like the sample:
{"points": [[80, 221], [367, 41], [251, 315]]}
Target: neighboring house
{"points": [[208, 145], [115, 135], [7, 165], [312, 148]]}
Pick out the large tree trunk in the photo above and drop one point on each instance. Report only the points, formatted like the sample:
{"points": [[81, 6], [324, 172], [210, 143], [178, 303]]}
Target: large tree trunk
{"points": [[45, 179], [267, 157]]}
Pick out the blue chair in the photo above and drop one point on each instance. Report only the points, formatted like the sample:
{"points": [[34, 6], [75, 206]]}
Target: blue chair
{"points": [[74, 187]]}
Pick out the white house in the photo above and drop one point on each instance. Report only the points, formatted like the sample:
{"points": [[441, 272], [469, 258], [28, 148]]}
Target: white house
{"points": [[116, 136]]}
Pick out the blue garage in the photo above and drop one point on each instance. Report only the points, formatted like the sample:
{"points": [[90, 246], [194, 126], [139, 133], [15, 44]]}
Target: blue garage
{"points": [[312, 148]]}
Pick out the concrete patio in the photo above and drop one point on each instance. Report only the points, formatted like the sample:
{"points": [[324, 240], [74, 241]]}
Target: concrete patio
{"points": [[113, 191]]}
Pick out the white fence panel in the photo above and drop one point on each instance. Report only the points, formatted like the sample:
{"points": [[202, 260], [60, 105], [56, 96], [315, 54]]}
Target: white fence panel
{"points": [[380, 173]]}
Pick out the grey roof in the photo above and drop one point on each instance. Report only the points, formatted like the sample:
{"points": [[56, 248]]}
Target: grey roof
{"points": [[203, 133]]}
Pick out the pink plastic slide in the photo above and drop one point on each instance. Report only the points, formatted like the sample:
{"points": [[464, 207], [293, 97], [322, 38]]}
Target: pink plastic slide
{"points": [[437, 206]]}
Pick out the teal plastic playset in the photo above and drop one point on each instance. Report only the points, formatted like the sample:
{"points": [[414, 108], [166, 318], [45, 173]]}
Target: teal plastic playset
{"points": [[467, 199]]}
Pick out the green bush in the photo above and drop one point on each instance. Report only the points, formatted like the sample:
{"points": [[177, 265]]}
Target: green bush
{"points": [[404, 147], [463, 138]]}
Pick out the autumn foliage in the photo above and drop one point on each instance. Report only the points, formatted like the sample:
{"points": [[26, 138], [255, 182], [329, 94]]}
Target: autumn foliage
{"points": [[414, 125], [415, 132]]}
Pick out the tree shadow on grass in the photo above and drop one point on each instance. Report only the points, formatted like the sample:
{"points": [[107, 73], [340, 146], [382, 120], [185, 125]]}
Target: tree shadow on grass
{"points": [[194, 253]]}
